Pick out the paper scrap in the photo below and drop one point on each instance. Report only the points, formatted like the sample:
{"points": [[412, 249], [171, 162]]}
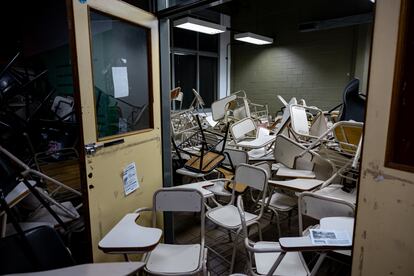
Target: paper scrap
{"points": [[330, 237], [130, 178], [120, 79]]}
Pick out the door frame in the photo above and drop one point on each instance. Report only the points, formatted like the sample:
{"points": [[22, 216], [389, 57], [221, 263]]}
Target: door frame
{"points": [[164, 117]]}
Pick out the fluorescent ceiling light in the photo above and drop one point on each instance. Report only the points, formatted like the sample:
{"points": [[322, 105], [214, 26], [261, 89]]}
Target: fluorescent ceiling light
{"points": [[198, 25], [253, 38]]}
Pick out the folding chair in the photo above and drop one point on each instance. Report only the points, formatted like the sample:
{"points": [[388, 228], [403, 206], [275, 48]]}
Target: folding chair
{"points": [[226, 216], [178, 259]]}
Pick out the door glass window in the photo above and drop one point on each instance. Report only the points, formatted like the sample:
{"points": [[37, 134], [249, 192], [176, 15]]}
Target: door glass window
{"points": [[121, 75], [185, 69]]}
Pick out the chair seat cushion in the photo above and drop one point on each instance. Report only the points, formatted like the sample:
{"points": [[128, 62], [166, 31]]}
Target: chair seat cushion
{"points": [[174, 258], [228, 216], [292, 263], [281, 202]]}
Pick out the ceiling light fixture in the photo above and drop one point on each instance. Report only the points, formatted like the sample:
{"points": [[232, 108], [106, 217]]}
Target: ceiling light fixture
{"points": [[198, 25], [253, 38]]}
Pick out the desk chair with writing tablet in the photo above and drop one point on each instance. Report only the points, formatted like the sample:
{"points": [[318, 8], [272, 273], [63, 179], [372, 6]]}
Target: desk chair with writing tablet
{"points": [[285, 257], [226, 216]]}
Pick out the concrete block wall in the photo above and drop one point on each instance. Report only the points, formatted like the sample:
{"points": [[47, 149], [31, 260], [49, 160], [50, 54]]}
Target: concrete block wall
{"points": [[315, 66]]}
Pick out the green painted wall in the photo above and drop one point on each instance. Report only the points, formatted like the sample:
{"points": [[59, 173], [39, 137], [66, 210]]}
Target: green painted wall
{"points": [[315, 66]]}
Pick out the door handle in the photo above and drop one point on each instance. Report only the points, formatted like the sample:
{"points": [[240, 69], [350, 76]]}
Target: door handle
{"points": [[91, 148]]}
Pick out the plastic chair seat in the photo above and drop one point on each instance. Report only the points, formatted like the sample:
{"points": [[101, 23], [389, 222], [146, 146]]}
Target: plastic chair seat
{"points": [[281, 202], [228, 216], [174, 258], [291, 264]]}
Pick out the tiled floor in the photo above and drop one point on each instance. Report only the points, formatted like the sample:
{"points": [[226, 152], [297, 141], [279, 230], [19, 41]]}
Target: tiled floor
{"points": [[187, 231]]}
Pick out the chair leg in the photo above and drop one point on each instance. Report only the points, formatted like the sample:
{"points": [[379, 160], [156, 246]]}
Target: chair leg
{"points": [[229, 233], [259, 230], [277, 222], [289, 219], [205, 271], [233, 257]]}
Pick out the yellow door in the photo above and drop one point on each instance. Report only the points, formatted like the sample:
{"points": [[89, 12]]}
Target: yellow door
{"points": [[117, 59]]}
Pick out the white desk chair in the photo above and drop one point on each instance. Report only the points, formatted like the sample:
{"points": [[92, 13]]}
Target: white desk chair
{"points": [[219, 110], [322, 204], [285, 257], [241, 129], [263, 254], [178, 259], [234, 158], [227, 216], [303, 129], [305, 173]]}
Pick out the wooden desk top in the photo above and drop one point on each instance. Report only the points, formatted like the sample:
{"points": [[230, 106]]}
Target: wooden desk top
{"points": [[129, 237]]}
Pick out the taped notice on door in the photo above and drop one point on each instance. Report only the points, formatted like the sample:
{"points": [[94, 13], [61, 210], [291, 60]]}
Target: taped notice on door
{"points": [[130, 179]]}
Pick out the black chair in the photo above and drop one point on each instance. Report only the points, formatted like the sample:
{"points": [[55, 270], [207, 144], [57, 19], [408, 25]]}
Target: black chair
{"points": [[353, 107], [211, 153], [37, 249]]}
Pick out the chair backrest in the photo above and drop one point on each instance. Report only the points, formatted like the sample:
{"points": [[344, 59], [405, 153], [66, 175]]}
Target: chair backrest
{"points": [[319, 125], [252, 176], [299, 119], [237, 157], [348, 135], [318, 206], [178, 200], [286, 151], [219, 107], [44, 250], [199, 99], [353, 105], [241, 128]]}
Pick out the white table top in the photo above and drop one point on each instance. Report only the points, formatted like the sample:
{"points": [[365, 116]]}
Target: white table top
{"points": [[293, 173], [199, 186], [298, 185], [329, 223], [102, 269], [129, 237]]}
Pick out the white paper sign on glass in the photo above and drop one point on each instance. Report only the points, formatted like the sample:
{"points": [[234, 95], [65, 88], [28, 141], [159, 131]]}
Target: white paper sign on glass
{"points": [[130, 179], [120, 79]]}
